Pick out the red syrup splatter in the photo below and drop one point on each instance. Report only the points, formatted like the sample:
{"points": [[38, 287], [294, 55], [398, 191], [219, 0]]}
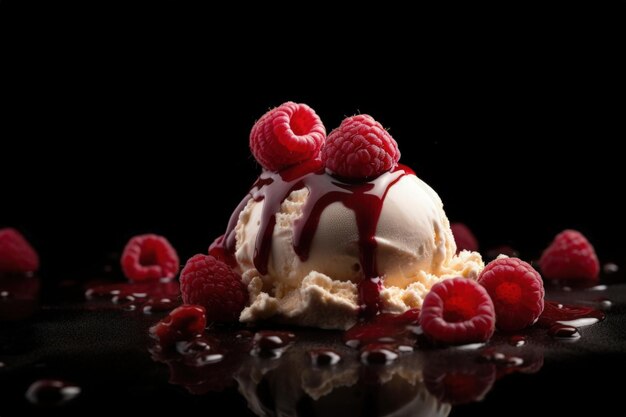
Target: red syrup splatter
{"points": [[183, 324], [385, 328], [182, 344], [561, 314], [383, 337], [364, 199], [205, 363], [154, 296]]}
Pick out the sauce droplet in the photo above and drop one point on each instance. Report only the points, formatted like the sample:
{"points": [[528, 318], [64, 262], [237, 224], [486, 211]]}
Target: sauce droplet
{"points": [[51, 392], [324, 357], [378, 354], [561, 331], [270, 344]]}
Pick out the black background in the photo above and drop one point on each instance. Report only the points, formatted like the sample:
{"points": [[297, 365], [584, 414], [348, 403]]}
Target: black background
{"points": [[134, 120], [125, 119]]}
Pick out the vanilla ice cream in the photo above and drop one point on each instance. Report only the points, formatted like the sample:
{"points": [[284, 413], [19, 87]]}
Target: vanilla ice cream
{"points": [[414, 249]]}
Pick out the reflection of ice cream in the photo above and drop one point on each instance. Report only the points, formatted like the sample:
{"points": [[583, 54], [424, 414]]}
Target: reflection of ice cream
{"points": [[292, 386], [306, 243]]}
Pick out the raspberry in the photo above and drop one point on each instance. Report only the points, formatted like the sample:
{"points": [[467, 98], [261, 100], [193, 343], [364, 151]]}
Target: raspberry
{"points": [[570, 256], [149, 257], [286, 135], [183, 323], [16, 254], [458, 311], [464, 238], [360, 148], [212, 284], [516, 290]]}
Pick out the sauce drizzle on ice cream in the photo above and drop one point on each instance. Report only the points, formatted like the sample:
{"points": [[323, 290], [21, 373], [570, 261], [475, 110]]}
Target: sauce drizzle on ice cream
{"points": [[365, 199]]}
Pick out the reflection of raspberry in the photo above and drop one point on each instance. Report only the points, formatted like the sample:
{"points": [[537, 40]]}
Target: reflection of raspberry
{"points": [[457, 380], [360, 148], [148, 257], [570, 256], [464, 238], [16, 254], [212, 284], [458, 311], [286, 135], [516, 290]]}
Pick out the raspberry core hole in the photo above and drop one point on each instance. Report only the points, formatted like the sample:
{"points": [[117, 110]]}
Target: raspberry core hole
{"points": [[458, 309], [509, 292], [301, 122], [148, 256]]}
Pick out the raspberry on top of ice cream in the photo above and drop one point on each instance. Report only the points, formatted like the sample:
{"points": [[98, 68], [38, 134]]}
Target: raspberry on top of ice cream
{"points": [[360, 148], [287, 135], [335, 228]]}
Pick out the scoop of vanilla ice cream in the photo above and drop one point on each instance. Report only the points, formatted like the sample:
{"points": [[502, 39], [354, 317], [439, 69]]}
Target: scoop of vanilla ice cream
{"points": [[415, 249]]}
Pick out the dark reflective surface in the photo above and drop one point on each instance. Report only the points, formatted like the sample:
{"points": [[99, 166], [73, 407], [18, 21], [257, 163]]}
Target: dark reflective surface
{"points": [[102, 346]]}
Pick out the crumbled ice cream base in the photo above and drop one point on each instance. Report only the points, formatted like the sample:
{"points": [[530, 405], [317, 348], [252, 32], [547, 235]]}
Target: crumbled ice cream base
{"points": [[323, 302]]}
